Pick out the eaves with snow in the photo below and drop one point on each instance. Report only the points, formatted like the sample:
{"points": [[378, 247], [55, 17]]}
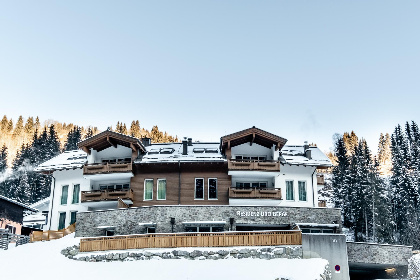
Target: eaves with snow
{"points": [[294, 155], [67, 160]]}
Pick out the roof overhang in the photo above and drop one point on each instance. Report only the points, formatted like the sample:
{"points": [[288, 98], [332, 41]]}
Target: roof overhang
{"points": [[252, 135], [108, 139]]}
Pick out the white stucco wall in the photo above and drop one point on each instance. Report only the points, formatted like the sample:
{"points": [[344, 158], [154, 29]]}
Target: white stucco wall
{"points": [[70, 178], [254, 150], [109, 153], [298, 173]]}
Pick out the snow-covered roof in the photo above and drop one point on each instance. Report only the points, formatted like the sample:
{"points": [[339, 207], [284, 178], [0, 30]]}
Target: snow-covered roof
{"points": [[172, 152], [67, 160], [40, 203], [18, 203], [295, 155]]}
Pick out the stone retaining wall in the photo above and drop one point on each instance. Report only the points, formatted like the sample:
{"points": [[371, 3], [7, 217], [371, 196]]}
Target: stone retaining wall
{"points": [[129, 221], [267, 253], [372, 253]]}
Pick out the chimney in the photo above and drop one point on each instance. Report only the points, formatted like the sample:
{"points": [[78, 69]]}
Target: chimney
{"points": [[306, 150], [189, 141], [146, 141], [185, 146]]}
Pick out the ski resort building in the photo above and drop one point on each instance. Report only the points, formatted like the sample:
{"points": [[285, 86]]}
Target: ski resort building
{"points": [[11, 214], [250, 181], [248, 168]]}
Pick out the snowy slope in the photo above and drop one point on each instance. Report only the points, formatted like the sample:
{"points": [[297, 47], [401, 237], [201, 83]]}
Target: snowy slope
{"points": [[43, 260]]}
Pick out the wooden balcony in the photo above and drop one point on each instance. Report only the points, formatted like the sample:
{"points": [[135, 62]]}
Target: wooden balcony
{"points": [[174, 240], [103, 168], [89, 196], [266, 165], [255, 193]]}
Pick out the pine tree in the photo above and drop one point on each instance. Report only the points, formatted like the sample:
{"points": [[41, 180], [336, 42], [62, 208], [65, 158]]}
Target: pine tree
{"points": [[73, 137], [3, 159], [29, 126], [37, 125], [9, 128], [53, 143], [89, 133], [18, 127], [135, 129], [3, 124]]}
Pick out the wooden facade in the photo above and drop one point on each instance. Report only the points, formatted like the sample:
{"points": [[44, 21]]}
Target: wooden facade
{"points": [[255, 193], [180, 182], [103, 168]]}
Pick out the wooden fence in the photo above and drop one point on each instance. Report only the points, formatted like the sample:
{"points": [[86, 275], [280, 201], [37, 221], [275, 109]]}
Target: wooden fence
{"points": [[52, 234], [210, 239]]}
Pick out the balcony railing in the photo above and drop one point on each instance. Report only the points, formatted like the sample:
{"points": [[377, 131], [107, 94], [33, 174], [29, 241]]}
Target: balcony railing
{"points": [[255, 193], [88, 196], [100, 168], [264, 165]]}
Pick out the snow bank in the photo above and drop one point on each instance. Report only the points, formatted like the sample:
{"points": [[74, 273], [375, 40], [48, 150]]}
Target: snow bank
{"points": [[43, 260]]}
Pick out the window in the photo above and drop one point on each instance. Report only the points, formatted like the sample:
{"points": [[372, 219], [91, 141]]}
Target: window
{"points": [[289, 190], [247, 185], [76, 192], [302, 190], [148, 189], [199, 188], [161, 189], [11, 229], [115, 186], [64, 194], [212, 188], [73, 217], [62, 220]]}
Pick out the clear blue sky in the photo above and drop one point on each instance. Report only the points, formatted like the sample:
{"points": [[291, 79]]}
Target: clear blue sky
{"points": [[303, 70]]}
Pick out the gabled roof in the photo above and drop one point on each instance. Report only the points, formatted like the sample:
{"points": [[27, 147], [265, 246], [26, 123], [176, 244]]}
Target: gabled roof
{"points": [[252, 135], [18, 203], [107, 139]]}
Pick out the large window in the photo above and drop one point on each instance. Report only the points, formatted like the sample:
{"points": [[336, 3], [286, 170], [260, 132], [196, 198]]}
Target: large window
{"points": [[76, 193], [212, 188], [62, 220], [64, 194], [161, 189], [148, 189], [73, 217], [247, 185], [199, 188], [289, 191], [302, 190]]}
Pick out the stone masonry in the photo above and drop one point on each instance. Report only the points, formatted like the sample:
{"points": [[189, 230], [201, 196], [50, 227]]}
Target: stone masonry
{"points": [[129, 221]]}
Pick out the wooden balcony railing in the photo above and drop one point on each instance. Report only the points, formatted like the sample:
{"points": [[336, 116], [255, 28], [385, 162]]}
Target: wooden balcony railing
{"points": [[173, 240], [99, 168], [52, 234], [106, 195], [266, 165], [255, 193]]}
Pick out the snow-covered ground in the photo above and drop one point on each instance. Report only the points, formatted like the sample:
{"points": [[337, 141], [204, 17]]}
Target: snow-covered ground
{"points": [[43, 260]]}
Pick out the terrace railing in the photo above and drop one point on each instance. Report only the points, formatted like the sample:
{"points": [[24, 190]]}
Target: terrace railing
{"points": [[255, 193], [262, 165], [103, 195], [100, 168], [210, 239]]}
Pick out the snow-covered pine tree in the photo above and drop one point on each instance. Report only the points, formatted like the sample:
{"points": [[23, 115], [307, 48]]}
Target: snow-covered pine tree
{"points": [[73, 137], [340, 182]]}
